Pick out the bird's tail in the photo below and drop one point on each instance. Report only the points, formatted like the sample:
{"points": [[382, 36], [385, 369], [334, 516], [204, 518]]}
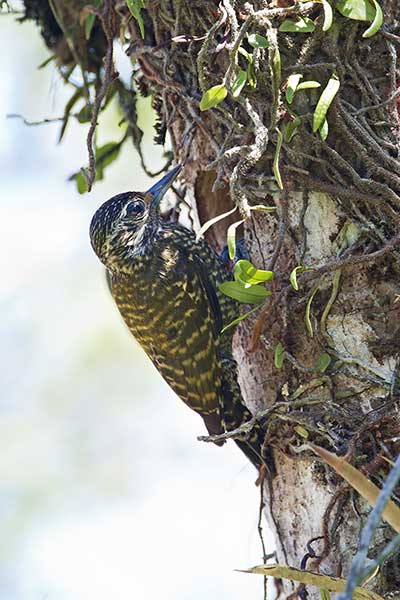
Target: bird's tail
{"points": [[253, 448]]}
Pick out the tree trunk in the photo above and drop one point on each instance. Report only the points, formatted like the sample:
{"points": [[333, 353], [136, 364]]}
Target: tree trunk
{"points": [[337, 212]]}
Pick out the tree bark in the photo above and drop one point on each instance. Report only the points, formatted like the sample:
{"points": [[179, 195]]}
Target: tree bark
{"points": [[337, 214]]}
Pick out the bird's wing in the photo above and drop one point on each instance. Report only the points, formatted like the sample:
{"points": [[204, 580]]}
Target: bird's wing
{"points": [[173, 311], [185, 348], [211, 294]]}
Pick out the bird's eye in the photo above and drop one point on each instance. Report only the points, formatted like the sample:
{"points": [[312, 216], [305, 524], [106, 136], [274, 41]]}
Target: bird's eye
{"points": [[135, 208]]}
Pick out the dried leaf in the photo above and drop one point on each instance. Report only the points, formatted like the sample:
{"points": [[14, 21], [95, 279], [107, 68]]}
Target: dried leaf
{"points": [[368, 490], [332, 584]]}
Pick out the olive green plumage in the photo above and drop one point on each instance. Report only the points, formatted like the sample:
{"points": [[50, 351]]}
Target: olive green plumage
{"points": [[165, 285]]}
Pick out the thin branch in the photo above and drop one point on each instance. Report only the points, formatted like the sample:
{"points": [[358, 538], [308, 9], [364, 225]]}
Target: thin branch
{"points": [[245, 429], [109, 75], [389, 100], [352, 261], [34, 123]]}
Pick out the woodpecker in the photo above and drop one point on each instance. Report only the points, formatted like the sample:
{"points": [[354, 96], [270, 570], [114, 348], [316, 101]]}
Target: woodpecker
{"points": [[165, 283]]}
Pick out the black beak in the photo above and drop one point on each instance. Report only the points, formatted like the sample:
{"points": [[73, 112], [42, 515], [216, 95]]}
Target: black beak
{"points": [[158, 189]]}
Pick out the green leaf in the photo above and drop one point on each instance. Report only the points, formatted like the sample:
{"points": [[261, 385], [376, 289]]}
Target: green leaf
{"points": [[325, 100], [85, 114], [80, 181], [89, 22], [324, 594], [291, 86], [245, 272], [105, 155], [290, 127], [279, 355], [47, 61], [252, 295], [211, 222], [302, 431], [257, 41], [251, 75], [231, 238], [294, 85], [324, 130], [308, 309], [246, 54], [302, 25], [308, 85], [110, 94], [262, 208], [351, 234], [362, 10], [135, 8], [376, 23], [239, 83], [328, 15], [322, 363], [358, 10], [293, 275], [277, 67], [68, 107], [213, 96], [275, 166], [243, 316]]}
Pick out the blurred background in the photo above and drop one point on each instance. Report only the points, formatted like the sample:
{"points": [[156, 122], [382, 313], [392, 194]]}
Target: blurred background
{"points": [[105, 491]]}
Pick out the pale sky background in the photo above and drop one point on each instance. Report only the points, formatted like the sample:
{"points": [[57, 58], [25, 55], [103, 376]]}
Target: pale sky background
{"points": [[105, 491]]}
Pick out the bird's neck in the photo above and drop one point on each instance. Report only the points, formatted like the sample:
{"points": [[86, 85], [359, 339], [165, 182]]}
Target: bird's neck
{"points": [[130, 251]]}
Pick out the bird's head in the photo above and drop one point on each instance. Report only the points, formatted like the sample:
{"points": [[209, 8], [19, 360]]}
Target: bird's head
{"points": [[124, 226]]}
